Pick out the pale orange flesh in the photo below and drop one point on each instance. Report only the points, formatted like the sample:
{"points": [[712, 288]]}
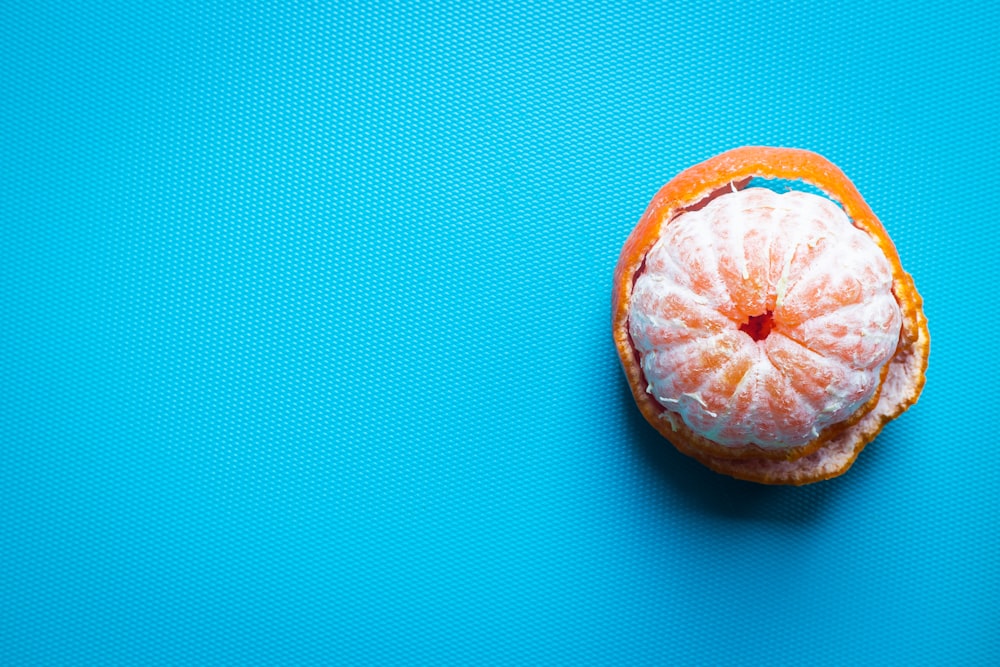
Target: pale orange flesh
{"points": [[763, 318], [897, 385]]}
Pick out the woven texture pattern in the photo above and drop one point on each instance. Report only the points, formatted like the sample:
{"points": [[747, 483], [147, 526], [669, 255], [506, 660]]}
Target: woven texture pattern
{"points": [[305, 352]]}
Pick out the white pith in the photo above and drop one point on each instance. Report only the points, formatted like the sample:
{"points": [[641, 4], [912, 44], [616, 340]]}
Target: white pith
{"points": [[784, 251]]}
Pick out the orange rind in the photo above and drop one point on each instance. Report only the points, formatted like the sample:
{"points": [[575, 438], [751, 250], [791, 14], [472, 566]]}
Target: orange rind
{"points": [[768, 336]]}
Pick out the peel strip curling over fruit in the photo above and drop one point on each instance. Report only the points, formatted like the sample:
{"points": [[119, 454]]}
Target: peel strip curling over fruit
{"points": [[761, 334]]}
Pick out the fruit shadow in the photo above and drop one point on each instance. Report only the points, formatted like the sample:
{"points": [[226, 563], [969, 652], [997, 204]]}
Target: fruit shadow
{"points": [[720, 495]]}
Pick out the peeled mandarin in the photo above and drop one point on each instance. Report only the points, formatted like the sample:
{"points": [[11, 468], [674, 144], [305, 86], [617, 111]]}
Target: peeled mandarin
{"points": [[770, 336]]}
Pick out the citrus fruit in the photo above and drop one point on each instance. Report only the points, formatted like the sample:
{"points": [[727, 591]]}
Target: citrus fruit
{"points": [[770, 336]]}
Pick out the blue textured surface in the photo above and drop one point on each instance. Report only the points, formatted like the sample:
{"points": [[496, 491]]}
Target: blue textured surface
{"points": [[305, 351]]}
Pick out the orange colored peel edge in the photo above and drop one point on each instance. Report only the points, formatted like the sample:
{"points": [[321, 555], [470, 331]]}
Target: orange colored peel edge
{"points": [[834, 452]]}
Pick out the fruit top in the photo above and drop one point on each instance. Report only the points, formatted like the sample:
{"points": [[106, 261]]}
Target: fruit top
{"points": [[763, 318]]}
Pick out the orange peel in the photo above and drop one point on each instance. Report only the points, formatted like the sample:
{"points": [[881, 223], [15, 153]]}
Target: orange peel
{"points": [[769, 441]]}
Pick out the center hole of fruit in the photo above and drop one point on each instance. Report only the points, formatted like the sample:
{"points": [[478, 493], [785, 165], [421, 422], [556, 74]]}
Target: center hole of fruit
{"points": [[758, 326]]}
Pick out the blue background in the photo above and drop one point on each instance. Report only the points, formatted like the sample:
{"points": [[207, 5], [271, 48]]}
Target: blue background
{"points": [[305, 351]]}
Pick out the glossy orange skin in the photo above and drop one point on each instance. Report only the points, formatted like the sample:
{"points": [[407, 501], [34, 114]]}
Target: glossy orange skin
{"points": [[690, 189]]}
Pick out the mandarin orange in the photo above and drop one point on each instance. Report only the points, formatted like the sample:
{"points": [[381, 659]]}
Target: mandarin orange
{"points": [[768, 336]]}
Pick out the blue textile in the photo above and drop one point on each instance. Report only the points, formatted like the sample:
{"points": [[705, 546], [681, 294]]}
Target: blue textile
{"points": [[305, 351]]}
